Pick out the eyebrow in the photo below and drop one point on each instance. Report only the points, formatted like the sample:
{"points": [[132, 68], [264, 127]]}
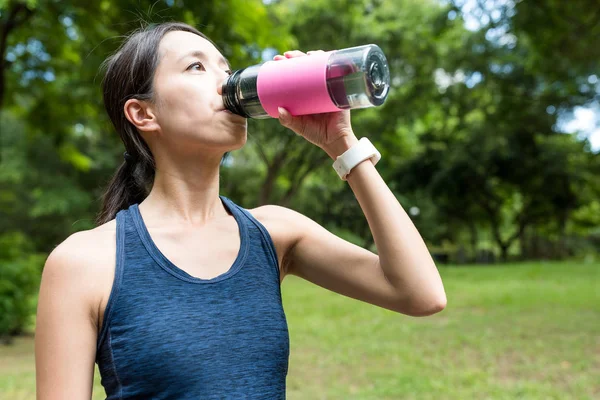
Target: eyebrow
{"points": [[201, 54]]}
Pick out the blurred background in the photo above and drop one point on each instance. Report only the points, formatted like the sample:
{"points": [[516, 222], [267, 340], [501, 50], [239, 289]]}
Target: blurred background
{"points": [[490, 139]]}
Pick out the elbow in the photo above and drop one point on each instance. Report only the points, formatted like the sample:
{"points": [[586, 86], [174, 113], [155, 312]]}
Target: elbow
{"points": [[433, 308], [425, 307]]}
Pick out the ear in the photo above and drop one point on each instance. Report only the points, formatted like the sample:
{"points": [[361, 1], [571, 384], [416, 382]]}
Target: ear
{"points": [[141, 115]]}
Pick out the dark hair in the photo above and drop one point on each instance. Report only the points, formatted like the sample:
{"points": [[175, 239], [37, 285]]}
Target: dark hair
{"points": [[129, 75]]}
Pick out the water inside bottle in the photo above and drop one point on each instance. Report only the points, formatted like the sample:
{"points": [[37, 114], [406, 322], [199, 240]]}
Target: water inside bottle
{"points": [[348, 91], [355, 82]]}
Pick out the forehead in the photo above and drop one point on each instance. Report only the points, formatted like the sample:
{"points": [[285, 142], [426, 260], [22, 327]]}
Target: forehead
{"points": [[177, 44]]}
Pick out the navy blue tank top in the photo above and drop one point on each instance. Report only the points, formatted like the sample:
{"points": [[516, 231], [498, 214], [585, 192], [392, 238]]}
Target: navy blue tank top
{"points": [[169, 335]]}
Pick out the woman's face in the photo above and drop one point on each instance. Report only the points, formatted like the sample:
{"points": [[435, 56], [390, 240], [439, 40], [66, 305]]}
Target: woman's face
{"points": [[188, 104]]}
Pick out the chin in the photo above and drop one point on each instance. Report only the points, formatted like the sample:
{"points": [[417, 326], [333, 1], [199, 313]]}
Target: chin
{"points": [[238, 129], [242, 137]]}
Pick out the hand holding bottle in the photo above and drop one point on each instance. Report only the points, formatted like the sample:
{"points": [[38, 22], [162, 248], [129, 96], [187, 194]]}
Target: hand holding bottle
{"points": [[316, 90], [331, 131]]}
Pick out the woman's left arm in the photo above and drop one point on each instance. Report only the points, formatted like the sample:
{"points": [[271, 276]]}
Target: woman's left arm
{"points": [[403, 277]]}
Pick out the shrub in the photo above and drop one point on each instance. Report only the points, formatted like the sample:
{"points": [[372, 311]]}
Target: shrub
{"points": [[20, 274]]}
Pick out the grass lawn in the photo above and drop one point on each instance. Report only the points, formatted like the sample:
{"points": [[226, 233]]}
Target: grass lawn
{"points": [[522, 331]]}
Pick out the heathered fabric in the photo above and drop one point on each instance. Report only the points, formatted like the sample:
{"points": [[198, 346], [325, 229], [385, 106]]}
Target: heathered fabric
{"points": [[169, 335]]}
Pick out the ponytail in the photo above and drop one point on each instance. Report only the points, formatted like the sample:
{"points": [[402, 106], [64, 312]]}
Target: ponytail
{"points": [[131, 184]]}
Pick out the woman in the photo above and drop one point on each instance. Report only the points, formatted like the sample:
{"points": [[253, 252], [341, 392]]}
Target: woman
{"points": [[176, 294]]}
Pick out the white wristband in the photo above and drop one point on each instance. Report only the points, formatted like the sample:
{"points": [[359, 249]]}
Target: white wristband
{"points": [[356, 154]]}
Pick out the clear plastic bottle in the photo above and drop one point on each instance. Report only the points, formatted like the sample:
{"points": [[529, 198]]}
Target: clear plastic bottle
{"points": [[356, 77]]}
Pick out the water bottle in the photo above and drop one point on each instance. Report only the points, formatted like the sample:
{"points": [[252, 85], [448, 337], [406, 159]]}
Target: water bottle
{"points": [[355, 77]]}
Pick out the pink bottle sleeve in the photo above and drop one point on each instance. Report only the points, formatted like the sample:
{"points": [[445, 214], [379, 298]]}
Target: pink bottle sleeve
{"points": [[297, 84]]}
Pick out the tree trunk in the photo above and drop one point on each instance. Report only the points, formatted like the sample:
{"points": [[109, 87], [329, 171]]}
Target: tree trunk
{"points": [[523, 245], [504, 251], [267, 186], [562, 233], [299, 180], [504, 245], [474, 239], [17, 15], [273, 170], [287, 197]]}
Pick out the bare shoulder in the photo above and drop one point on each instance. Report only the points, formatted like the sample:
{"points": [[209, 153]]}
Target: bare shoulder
{"points": [[82, 249], [86, 259], [282, 222], [285, 226]]}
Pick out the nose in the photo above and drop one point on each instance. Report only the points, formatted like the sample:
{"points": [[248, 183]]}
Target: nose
{"points": [[220, 84]]}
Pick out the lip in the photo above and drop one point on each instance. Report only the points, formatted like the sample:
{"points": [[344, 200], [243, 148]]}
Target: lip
{"points": [[235, 116]]}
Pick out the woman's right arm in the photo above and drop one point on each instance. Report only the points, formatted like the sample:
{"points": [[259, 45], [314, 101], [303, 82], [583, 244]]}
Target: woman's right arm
{"points": [[66, 331]]}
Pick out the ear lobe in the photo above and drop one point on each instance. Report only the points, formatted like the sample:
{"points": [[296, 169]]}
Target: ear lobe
{"points": [[140, 115]]}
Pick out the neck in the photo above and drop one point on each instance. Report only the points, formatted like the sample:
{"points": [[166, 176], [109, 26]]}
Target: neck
{"points": [[185, 191]]}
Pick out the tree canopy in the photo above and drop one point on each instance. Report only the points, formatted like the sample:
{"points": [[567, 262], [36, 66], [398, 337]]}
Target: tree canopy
{"points": [[469, 133]]}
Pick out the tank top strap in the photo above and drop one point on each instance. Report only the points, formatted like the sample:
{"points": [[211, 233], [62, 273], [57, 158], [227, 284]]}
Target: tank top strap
{"points": [[262, 236], [118, 277]]}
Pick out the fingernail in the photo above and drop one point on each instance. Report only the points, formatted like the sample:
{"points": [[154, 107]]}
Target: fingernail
{"points": [[282, 114]]}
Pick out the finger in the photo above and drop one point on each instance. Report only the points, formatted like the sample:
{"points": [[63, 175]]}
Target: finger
{"points": [[279, 57], [284, 116], [287, 119], [314, 51], [293, 53]]}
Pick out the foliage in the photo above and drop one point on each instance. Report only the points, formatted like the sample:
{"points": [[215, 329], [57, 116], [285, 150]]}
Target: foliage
{"points": [[469, 134], [19, 282]]}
